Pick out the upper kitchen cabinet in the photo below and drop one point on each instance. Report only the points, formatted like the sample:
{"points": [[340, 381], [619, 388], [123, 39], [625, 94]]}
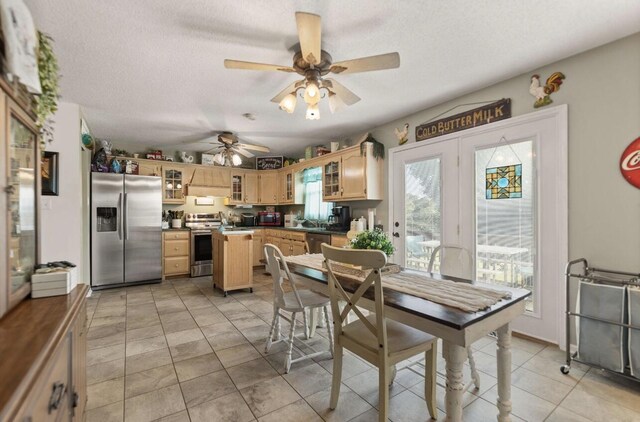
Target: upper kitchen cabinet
{"points": [[353, 175], [149, 168], [244, 187], [173, 179], [268, 187], [19, 182], [290, 189]]}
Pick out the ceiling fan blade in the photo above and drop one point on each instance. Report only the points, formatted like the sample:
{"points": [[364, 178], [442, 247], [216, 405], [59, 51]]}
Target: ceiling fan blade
{"points": [[348, 97], [244, 152], [288, 90], [309, 33], [258, 148], [367, 64], [238, 64], [227, 138]]}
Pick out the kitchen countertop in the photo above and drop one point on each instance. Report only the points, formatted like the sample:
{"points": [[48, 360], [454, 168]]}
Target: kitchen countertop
{"points": [[305, 229], [177, 230]]}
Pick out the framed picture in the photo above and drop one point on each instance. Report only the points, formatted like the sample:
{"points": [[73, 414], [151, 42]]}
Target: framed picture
{"points": [[49, 173]]}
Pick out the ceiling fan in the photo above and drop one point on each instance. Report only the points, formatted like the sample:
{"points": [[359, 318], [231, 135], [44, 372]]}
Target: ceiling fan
{"points": [[314, 64], [226, 152]]}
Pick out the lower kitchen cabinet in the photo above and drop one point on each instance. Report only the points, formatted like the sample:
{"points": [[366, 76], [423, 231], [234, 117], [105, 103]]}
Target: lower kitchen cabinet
{"points": [[176, 259], [339, 240], [43, 365], [232, 261], [258, 245], [289, 242]]}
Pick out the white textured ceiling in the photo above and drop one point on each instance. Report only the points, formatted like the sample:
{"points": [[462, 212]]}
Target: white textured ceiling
{"points": [[151, 71]]}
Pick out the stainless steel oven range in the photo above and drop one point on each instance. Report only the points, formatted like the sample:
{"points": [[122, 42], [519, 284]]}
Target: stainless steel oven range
{"points": [[201, 246]]}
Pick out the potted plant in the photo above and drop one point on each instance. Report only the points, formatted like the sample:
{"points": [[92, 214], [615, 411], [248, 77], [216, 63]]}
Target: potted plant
{"points": [[373, 239]]}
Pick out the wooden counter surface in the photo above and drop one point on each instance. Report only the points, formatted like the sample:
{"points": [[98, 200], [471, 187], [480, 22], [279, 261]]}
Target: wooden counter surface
{"points": [[29, 334]]}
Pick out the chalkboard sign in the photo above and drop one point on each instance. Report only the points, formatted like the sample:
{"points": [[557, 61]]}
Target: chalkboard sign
{"points": [[269, 163]]}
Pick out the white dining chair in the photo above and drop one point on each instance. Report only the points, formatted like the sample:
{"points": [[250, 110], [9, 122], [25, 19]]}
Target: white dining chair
{"points": [[294, 301], [456, 261], [379, 341]]}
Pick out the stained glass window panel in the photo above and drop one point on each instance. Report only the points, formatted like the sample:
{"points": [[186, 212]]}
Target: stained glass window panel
{"points": [[504, 182]]}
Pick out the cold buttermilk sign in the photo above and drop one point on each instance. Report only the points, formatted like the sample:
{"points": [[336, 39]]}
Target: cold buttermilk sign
{"points": [[477, 117]]}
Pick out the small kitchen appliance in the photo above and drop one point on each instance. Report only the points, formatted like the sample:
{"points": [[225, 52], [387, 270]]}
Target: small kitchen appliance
{"points": [[201, 225], [340, 218], [289, 220], [266, 218], [247, 219]]}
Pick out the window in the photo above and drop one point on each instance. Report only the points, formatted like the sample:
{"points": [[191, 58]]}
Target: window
{"points": [[314, 208]]}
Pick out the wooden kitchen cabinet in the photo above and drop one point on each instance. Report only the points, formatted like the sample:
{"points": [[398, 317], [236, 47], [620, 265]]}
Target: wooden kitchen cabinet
{"points": [[258, 244], [149, 168], [268, 187], [232, 261], [353, 176], [173, 180], [289, 242], [176, 258], [339, 241], [44, 373], [290, 186], [244, 187]]}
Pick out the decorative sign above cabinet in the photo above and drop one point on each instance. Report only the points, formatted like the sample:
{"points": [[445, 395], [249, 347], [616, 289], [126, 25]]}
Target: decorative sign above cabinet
{"points": [[269, 163], [477, 117]]}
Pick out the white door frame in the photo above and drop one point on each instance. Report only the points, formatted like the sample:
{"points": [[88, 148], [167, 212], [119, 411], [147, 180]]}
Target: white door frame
{"points": [[560, 116]]}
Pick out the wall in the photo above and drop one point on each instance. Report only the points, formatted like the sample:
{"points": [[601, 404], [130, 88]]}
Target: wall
{"points": [[602, 90], [62, 217]]}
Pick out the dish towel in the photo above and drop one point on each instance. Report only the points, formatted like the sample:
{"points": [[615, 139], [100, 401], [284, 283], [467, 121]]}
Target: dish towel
{"points": [[463, 296], [601, 343], [633, 294]]}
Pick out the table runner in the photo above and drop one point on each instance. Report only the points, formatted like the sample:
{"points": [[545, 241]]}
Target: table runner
{"points": [[463, 296]]}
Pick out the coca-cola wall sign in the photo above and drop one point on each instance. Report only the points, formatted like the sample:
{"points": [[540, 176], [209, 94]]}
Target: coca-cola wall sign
{"points": [[630, 163]]}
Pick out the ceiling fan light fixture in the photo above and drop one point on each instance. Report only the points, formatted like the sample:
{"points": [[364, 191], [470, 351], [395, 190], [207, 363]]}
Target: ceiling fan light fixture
{"points": [[313, 112], [235, 158], [288, 103], [219, 158], [335, 102], [312, 93]]}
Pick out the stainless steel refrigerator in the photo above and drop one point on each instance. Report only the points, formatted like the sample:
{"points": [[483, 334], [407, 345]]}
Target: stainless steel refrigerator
{"points": [[126, 229]]}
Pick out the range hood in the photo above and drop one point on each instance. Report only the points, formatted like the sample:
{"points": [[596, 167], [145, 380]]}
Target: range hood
{"points": [[202, 190]]}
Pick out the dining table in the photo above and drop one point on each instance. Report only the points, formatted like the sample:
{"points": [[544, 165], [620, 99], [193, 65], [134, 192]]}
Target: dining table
{"points": [[458, 329]]}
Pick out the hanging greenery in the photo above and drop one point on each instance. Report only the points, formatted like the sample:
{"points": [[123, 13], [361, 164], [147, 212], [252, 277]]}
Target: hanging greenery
{"points": [[47, 102], [378, 148]]}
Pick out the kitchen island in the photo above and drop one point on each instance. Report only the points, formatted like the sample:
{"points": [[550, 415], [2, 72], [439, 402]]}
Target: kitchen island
{"points": [[232, 260]]}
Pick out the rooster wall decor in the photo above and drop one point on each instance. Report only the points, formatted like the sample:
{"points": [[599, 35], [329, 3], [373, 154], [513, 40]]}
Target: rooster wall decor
{"points": [[541, 93], [402, 134]]}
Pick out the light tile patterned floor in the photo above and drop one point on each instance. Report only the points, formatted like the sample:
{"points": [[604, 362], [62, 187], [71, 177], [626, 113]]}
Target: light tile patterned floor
{"points": [[179, 351]]}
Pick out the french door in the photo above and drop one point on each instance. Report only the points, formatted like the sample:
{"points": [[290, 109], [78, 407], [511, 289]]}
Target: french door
{"points": [[499, 191]]}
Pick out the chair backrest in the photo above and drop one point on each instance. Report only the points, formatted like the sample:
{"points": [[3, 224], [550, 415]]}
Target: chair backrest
{"points": [[277, 266], [455, 261], [372, 259]]}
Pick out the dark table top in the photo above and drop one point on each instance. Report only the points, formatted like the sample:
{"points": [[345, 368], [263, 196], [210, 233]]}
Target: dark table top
{"points": [[420, 307]]}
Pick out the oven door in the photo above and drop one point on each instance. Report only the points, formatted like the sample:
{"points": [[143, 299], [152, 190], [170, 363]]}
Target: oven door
{"points": [[201, 253]]}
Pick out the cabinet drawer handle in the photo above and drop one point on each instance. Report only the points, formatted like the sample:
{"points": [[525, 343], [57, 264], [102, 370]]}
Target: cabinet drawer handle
{"points": [[176, 265], [56, 396], [175, 249]]}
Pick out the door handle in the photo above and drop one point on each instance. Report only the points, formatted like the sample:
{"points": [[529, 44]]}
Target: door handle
{"points": [[120, 217], [396, 234], [126, 217]]}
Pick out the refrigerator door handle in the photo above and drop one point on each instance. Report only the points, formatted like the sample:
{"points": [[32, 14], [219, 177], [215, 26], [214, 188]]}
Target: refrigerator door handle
{"points": [[119, 223], [126, 218]]}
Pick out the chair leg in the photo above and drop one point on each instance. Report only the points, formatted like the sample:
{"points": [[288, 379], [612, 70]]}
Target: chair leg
{"points": [[272, 331], [383, 391], [336, 379], [329, 333], [305, 322], [430, 376], [287, 362], [474, 373]]}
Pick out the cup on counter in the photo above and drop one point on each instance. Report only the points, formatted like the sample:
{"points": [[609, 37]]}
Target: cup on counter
{"points": [[176, 223]]}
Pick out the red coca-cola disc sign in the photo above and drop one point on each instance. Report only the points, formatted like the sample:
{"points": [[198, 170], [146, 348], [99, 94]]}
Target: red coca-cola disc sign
{"points": [[630, 163]]}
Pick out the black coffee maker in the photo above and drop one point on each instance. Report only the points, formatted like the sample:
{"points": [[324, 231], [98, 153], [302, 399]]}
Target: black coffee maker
{"points": [[340, 218]]}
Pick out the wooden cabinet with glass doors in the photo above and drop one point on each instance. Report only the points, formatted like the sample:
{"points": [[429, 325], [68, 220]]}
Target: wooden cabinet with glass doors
{"points": [[331, 180], [173, 179], [19, 184]]}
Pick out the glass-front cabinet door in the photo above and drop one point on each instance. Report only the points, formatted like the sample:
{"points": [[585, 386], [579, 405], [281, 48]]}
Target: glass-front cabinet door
{"points": [[237, 181], [331, 180], [172, 192], [21, 194]]}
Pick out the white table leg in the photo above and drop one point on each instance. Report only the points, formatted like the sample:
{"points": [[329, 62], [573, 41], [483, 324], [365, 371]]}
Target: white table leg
{"points": [[504, 373], [455, 356]]}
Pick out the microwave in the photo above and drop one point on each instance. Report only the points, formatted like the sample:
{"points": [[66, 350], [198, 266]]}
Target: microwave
{"points": [[266, 218]]}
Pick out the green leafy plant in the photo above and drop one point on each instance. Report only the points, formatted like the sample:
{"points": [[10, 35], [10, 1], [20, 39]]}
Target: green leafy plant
{"points": [[47, 102], [373, 239], [378, 147]]}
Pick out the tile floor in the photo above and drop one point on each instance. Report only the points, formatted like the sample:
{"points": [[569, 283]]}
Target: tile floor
{"points": [[178, 351]]}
